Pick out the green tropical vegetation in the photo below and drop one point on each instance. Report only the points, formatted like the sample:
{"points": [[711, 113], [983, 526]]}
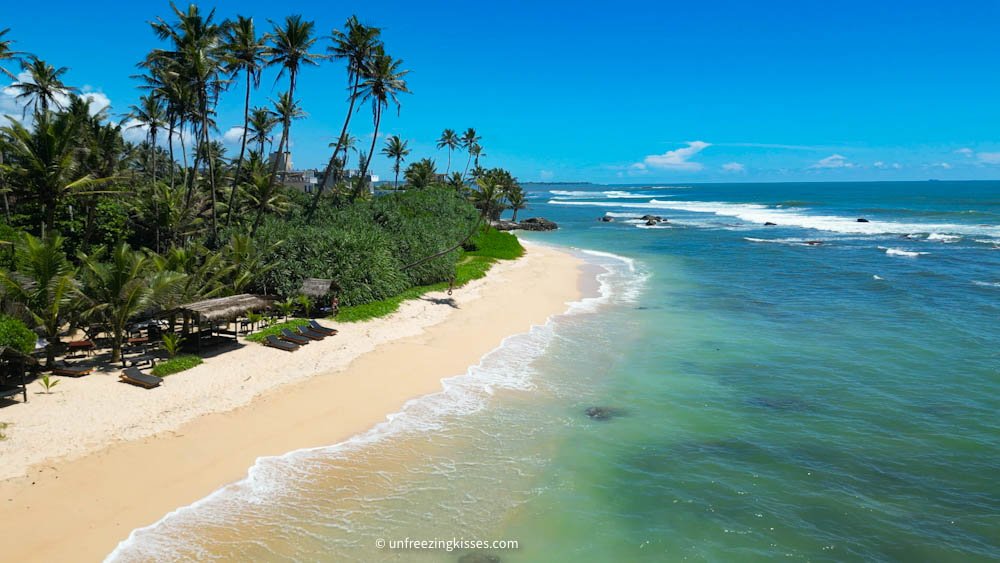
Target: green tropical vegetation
{"points": [[176, 364], [103, 231]]}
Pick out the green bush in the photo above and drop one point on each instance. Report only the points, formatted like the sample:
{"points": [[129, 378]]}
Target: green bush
{"points": [[176, 364], [275, 329], [15, 334]]}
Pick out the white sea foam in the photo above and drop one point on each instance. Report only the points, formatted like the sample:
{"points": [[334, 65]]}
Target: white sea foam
{"points": [[759, 214], [787, 241], [944, 238], [509, 366], [877, 277], [900, 252], [610, 194], [986, 284]]}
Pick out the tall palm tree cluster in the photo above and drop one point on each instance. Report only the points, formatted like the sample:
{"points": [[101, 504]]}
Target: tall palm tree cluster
{"points": [[101, 229]]}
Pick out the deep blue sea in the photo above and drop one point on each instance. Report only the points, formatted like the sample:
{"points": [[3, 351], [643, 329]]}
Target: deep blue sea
{"points": [[820, 389]]}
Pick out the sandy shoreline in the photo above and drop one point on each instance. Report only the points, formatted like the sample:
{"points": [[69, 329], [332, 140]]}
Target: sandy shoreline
{"points": [[97, 459]]}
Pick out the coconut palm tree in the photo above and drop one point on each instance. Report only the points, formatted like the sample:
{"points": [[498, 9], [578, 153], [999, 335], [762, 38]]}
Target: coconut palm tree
{"points": [[47, 161], [396, 149], [149, 113], [477, 152], [421, 174], [285, 110], [6, 53], [470, 140], [243, 53], [515, 200], [382, 84], [44, 86], [450, 140], [43, 289], [356, 45], [348, 142], [119, 288], [456, 182], [260, 125], [289, 49]]}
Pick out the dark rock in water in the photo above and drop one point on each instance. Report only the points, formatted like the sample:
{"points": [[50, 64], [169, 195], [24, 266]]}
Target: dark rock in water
{"points": [[862, 220], [770, 224], [606, 219], [651, 218], [651, 222], [538, 224], [505, 225], [814, 242], [601, 413], [778, 403], [478, 557]]}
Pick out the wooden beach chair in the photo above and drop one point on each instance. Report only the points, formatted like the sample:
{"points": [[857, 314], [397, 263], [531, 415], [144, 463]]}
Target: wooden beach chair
{"points": [[69, 370], [308, 333], [136, 377], [290, 336], [315, 326], [274, 342]]}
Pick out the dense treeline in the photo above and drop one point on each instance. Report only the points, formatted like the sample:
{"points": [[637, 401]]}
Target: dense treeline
{"points": [[99, 231]]}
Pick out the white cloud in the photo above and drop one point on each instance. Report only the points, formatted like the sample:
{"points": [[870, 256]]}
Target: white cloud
{"points": [[233, 135], [10, 105], [943, 165], [546, 174], [674, 160], [733, 167], [833, 161], [989, 157], [965, 151], [885, 165]]}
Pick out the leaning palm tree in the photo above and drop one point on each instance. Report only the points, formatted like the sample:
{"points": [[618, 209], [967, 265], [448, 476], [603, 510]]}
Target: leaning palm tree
{"points": [[243, 53], [6, 53], [396, 149], [289, 49], [383, 82], [285, 110], [470, 141], [120, 286], [42, 290], [44, 86], [449, 140], [477, 152], [356, 45]]}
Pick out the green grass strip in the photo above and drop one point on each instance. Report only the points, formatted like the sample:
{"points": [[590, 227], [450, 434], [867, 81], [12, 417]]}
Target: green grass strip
{"points": [[176, 364], [275, 329]]}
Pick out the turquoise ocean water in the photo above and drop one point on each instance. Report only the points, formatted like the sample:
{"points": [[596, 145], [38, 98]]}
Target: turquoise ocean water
{"points": [[773, 398]]}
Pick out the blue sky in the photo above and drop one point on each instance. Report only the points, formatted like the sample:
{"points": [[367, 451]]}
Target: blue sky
{"points": [[641, 92]]}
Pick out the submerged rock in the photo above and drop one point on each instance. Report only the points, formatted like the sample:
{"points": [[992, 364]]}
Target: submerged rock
{"points": [[862, 220], [606, 219], [601, 413], [770, 224], [814, 242], [778, 403], [651, 222], [651, 218]]}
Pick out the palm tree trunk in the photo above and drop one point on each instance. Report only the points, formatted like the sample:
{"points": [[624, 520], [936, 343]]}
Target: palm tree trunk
{"points": [[286, 125], [170, 143], [243, 148], [448, 169], [340, 139], [211, 166], [395, 185], [466, 171], [371, 150]]}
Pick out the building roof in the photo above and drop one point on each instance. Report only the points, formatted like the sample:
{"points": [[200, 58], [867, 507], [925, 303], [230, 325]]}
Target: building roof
{"points": [[227, 307], [317, 287]]}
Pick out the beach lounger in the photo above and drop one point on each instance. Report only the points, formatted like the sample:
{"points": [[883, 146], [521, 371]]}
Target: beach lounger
{"points": [[290, 336], [310, 334], [274, 342], [136, 377], [313, 325], [71, 370]]}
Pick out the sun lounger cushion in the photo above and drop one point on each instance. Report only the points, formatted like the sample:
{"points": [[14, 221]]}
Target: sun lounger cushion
{"points": [[292, 337], [321, 329], [274, 342], [310, 334]]}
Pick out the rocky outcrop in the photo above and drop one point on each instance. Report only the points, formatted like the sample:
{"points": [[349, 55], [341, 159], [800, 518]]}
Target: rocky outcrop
{"points": [[770, 224], [606, 219], [648, 218], [530, 224], [862, 220], [601, 413]]}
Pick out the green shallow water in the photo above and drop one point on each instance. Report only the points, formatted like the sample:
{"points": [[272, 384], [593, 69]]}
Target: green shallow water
{"points": [[772, 400]]}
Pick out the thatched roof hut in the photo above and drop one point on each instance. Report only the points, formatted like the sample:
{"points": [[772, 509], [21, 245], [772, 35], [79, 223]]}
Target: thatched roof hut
{"points": [[226, 307], [317, 287], [13, 365]]}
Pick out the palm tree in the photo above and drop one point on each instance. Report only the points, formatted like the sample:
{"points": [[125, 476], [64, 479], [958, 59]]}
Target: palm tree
{"points": [[47, 162], [456, 182], [244, 52], [383, 82], [395, 148], [348, 142], [470, 140], [149, 113], [43, 287], [289, 48], [43, 87], [448, 139], [421, 174], [6, 53], [515, 200], [477, 151], [285, 110], [260, 124], [122, 287], [356, 45]]}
